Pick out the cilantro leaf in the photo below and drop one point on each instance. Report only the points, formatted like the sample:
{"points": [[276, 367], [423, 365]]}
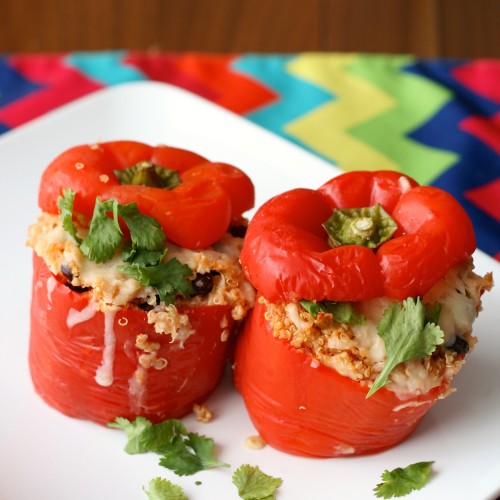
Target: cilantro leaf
{"points": [[134, 255], [183, 452], [65, 204], [168, 278], [401, 481], [137, 433], [191, 454], [145, 232], [313, 308], [104, 235], [406, 336], [163, 489], [342, 312], [144, 252], [253, 484], [165, 435], [143, 436]]}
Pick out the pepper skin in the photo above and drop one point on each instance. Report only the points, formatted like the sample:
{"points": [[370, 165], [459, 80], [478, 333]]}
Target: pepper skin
{"points": [[195, 214], [297, 404], [64, 360], [97, 368], [286, 255], [306, 408]]}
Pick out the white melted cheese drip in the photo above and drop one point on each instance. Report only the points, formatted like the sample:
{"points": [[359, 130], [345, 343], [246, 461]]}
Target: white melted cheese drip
{"points": [[75, 316], [137, 388], [51, 285], [104, 374]]}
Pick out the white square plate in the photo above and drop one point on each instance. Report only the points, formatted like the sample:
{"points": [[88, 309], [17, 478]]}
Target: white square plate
{"points": [[48, 456]]}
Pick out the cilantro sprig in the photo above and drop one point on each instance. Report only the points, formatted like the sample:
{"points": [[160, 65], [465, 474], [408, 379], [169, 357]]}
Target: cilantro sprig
{"points": [[342, 312], [143, 249], [105, 234], [163, 489], [402, 481], [253, 484], [65, 204], [183, 452], [407, 334], [169, 278]]}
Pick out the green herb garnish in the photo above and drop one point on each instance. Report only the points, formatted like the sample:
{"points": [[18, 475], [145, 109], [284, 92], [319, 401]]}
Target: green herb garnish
{"points": [[183, 452], [169, 278], [401, 481], [141, 257], [143, 252], [163, 489], [342, 312], [105, 234], [146, 233], [367, 226], [146, 173], [407, 335], [253, 484], [65, 205]]}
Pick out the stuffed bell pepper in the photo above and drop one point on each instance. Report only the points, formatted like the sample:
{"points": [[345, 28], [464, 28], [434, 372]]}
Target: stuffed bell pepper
{"points": [[137, 285], [366, 299]]}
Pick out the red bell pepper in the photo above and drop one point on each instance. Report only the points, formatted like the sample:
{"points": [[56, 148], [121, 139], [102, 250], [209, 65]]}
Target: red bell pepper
{"points": [[287, 256], [65, 360], [309, 409], [213, 192], [97, 367], [297, 404]]}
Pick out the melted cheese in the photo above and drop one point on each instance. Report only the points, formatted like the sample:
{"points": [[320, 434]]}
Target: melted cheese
{"points": [[110, 289], [104, 374], [75, 316], [358, 352]]}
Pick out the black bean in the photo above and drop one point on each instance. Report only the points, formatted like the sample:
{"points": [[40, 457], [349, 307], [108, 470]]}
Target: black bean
{"points": [[77, 289], [237, 231], [66, 271], [68, 274], [145, 306], [460, 345], [203, 283]]}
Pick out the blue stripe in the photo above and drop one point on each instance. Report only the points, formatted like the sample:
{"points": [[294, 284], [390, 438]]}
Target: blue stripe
{"points": [[13, 85], [105, 67]]}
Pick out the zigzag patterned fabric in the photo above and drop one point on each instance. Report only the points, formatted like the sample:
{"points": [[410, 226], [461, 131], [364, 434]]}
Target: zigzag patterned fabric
{"points": [[435, 120]]}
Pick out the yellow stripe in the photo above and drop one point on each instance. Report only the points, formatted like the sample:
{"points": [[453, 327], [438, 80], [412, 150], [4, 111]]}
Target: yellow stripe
{"points": [[326, 129]]}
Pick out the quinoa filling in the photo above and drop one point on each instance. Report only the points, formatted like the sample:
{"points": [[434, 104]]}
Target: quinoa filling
{"points": [[358, 352], [217, 277]]}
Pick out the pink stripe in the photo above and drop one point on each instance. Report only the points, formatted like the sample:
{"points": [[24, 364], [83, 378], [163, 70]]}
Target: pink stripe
{"points": [[62, 84]]}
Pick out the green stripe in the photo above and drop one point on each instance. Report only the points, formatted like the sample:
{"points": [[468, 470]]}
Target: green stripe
{"points": [[418, 100]]}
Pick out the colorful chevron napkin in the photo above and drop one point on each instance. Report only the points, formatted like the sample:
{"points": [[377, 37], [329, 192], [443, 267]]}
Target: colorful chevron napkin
{"points": [[436, 120]]}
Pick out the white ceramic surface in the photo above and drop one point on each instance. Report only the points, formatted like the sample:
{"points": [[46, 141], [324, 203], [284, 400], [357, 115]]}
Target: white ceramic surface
{"points": [[47, 456]]}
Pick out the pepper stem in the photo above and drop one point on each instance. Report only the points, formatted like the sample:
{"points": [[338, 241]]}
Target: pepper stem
{"points": [[367, 226], [363, 226], [145, 175]]}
